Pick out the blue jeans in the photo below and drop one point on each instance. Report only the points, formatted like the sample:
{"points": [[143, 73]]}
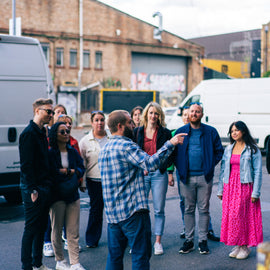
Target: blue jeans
{"points": [[95, 220], [135, 231], [158, 183], [182, 200]]}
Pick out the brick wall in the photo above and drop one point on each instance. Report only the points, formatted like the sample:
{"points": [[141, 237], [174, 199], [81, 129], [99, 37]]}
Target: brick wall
{"points": [[57, 22]]}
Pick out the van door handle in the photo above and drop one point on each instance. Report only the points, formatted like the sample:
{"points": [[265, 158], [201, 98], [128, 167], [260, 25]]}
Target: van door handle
{"points": [[12, 134], [206, 119]]}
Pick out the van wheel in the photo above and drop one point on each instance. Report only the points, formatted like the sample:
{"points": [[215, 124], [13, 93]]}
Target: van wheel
{"points": [[14, 197]]}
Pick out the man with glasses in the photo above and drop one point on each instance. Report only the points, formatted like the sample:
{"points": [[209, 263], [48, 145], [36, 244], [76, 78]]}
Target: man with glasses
{"points": [[35, 184], [195, 161]]}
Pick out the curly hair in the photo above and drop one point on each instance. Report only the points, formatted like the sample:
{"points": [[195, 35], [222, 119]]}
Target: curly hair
{"points": [[53, 134]]}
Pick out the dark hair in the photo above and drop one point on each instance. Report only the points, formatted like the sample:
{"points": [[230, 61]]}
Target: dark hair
{"points": [[135, 109], [93, 113], [53, 134], [249, 141]]}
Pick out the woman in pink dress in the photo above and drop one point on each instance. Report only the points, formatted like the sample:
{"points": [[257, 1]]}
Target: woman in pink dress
{"points": [[239, 189]]}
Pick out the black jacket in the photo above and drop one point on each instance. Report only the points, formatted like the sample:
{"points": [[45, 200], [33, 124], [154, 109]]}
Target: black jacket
{"points": [[163, 136], [34, 158], [75, 162]]}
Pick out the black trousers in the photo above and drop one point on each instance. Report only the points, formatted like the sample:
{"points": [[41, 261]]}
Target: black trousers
{"points": [[36, 218], [95, 220]]}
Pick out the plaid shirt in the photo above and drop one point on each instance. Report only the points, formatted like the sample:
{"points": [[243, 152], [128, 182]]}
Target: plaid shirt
{"points": [[122, 163]]}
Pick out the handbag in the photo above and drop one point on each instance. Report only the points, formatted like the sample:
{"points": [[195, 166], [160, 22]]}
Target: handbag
{"points": [[68, 186]]}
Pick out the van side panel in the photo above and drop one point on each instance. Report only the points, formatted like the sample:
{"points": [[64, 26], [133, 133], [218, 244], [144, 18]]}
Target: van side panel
{"points": [[24, 77]]}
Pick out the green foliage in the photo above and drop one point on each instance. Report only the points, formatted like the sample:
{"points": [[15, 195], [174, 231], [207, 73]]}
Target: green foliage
{"points": [[266, 74], [111, 83]]}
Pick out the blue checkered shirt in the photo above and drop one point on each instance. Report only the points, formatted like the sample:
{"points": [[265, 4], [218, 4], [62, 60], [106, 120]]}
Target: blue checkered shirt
{"points": [[122, 163]]}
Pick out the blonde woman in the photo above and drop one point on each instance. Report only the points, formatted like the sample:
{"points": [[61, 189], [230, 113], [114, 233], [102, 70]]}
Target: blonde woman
{"points": [[151, 137]]}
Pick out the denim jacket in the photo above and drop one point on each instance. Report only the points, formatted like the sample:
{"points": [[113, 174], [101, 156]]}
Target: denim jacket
{"points": [[250, 169]]}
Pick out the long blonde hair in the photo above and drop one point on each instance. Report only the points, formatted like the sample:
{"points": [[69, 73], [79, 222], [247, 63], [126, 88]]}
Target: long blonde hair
{"points": [[161, 117]]}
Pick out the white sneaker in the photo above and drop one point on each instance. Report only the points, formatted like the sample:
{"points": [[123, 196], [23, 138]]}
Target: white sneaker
{"points": [[66, 246], [243, 253], [42, 267], [48, 250], [77, 266], [62, 265], [158, 249], [234, 252]]}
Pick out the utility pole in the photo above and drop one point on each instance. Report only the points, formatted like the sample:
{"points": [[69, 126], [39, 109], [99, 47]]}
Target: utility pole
{"points": [[14, 16], [81, 61], [266, 48]]}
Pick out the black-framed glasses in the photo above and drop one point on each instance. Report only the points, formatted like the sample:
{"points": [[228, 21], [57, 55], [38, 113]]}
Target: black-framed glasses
{"points": [[64, 131], [48, 111]]}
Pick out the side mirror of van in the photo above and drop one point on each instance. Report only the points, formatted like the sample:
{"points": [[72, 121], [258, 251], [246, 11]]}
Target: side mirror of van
{"points": [[180, 111]]}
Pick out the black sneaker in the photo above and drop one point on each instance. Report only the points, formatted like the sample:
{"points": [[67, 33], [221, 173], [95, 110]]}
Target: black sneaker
{"points": [[203, 247], [187, 247], [212, 236], [183, 234]]}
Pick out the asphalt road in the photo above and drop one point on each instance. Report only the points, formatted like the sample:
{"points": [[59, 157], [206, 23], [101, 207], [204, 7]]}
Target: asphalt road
{"points": [[12, 222]]}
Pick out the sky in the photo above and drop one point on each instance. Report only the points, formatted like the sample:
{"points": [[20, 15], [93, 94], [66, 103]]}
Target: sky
{"points": [[196, 18]]}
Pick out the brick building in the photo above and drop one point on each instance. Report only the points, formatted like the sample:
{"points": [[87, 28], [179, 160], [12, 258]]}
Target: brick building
{"points": [[117, 48]]}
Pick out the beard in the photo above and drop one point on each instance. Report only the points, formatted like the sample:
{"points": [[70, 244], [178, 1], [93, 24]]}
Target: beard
{"points": [[195, 121], [129, 133]]}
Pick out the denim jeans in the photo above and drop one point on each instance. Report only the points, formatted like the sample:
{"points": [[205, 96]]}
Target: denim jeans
{"points": [[158, 183], [196, 192], [36, 217], [135, 231], [182, 200], [95, 220]]}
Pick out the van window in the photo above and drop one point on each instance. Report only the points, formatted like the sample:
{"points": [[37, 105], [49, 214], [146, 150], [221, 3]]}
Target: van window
{"points": [[21, 60], [193, 99]]}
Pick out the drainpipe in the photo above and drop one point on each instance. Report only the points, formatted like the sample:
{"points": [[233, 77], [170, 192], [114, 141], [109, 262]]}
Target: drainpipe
{"points": [[81, 61], [14, 16], [266, 49]]}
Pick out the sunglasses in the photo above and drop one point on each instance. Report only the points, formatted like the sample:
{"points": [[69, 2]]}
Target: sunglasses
{"points": [[48, 111], [64, 131], [93, 112], [196, 103]]}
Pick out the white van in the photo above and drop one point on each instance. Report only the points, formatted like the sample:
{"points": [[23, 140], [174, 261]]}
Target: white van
{"points": [[24, 77], [225, 101]]}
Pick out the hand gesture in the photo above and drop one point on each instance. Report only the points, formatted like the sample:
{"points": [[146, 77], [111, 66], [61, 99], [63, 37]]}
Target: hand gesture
{"points": [[178, 138]]}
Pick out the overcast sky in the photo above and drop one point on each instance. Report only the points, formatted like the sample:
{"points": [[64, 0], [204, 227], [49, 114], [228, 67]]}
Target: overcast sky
{"points": [[195, 18]]}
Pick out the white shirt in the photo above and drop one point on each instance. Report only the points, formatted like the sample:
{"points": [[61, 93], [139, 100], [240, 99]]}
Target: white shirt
{"points": [[90, 147]]}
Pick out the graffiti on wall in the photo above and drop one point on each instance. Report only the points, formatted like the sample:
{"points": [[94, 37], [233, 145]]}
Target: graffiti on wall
{"points": [[160, 82]]}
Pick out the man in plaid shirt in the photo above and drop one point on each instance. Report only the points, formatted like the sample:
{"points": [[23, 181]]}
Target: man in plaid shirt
{"points": [[122, 164]]}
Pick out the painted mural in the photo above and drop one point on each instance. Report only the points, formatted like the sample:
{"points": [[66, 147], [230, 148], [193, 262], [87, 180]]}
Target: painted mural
{"points": [[164, 83]]}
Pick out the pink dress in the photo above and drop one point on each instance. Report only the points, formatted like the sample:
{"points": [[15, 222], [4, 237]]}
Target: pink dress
{"points": [[241, 219]]}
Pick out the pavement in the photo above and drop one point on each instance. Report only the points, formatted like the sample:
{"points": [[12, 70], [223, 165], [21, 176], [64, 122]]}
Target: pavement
{"points": [[12, 222]]}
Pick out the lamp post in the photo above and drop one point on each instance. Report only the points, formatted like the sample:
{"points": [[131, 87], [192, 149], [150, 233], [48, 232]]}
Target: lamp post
{"points": [[14, 16], [266, 48]]}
